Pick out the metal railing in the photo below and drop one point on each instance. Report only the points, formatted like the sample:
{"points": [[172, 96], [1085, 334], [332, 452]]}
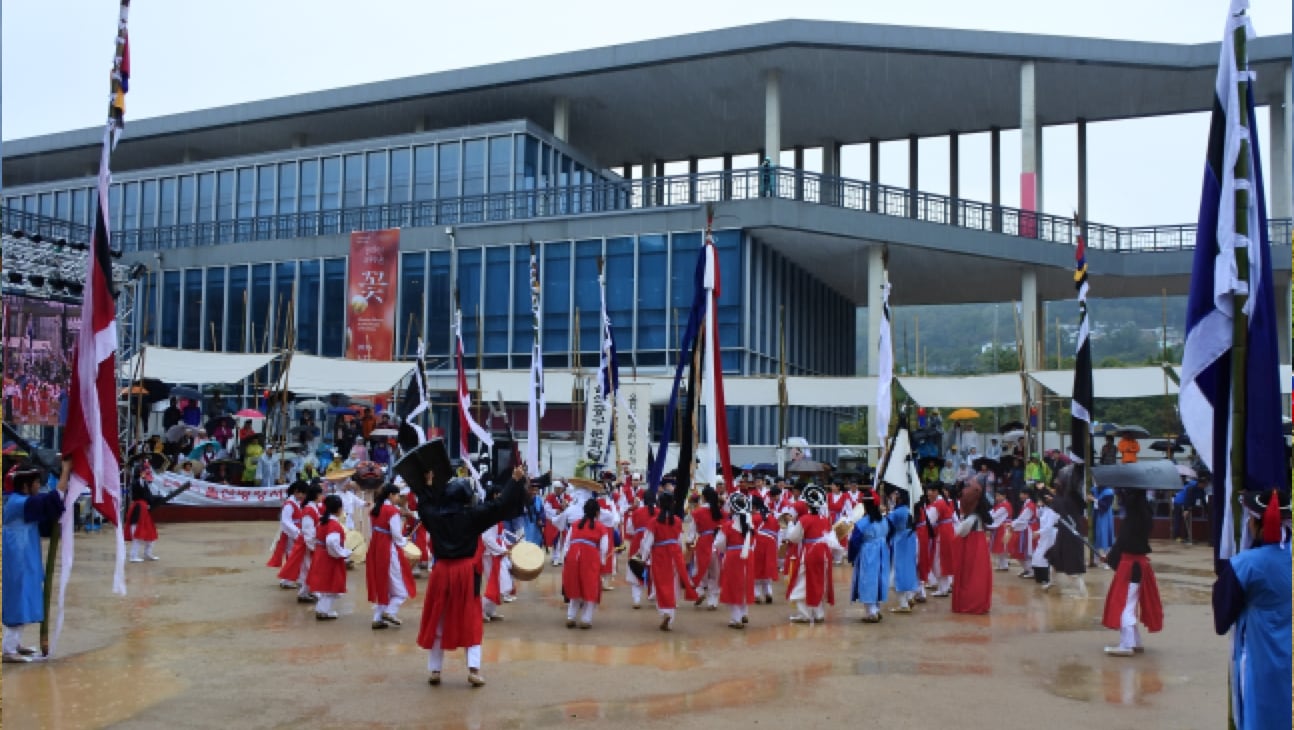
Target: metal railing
{"points": [[645, 194]]}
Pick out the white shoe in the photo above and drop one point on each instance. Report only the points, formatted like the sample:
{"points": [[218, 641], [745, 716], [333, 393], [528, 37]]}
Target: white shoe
{"points": [[152, 557], [509, 598], [1118, 651], [136, 560]]}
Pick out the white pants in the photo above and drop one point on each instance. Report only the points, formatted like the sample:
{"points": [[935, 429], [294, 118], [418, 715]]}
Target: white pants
{"points": [[636, 590], [436, 655], [305, 570], [736, 614], [137, 545], [1129, 636], [814, 613], [397, 593], [580, 609], [325, 602], [12, 639], [763, 587], [905, 599]]}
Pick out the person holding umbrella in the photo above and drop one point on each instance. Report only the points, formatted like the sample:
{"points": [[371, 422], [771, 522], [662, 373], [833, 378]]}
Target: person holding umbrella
{"points": [[1128, 448]]}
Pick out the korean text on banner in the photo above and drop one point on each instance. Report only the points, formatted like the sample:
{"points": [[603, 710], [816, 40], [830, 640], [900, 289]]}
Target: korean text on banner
{"points": [[371, 294]]}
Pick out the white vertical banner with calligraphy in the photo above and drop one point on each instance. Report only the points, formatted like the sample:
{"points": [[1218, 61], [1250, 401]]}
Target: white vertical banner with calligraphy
{"points": [[597, 424], [633, 424]]}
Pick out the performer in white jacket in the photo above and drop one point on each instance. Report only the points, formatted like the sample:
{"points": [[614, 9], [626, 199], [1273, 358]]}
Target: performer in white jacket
{"points": [[1047, 519]]}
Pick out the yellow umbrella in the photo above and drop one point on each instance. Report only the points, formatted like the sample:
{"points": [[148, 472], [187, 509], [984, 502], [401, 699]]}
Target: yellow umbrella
{"points": [[963, 414]]}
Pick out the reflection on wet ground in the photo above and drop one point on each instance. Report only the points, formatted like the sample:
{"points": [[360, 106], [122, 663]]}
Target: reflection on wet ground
{"points": [[206, 635]]}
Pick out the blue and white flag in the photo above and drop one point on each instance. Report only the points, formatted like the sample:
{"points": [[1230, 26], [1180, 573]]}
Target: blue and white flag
{"points": [[1217, 287]]}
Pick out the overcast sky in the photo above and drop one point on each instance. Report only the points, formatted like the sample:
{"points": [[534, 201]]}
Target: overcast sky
{"points": [[194, 55]]}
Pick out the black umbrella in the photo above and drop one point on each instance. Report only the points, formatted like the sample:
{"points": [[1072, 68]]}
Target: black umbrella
{"points": [[1185, 440], [1134, 431], [992, 464], [184, 391], [1165, 446], [1105, 429], [1011, 426], [1154, 474]]}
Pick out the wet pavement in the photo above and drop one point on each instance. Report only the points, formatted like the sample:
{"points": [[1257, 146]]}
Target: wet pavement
{"points": [[206, 639]]}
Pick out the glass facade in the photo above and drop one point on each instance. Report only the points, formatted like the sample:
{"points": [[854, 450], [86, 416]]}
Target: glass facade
{"points": [[650, 287], [486, 176]]}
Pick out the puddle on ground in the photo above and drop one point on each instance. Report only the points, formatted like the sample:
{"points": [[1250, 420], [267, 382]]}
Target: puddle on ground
{"points": [[1127, 685], [663, 655], [86, 690], [187, 573]]}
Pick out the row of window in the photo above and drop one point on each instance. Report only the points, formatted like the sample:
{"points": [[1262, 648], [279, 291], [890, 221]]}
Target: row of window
{"points": [[649, 290], [434, 171]]}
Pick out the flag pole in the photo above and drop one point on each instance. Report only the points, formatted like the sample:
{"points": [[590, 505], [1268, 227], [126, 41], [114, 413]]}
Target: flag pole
{"points": [[1240, 321], [119, 84]]}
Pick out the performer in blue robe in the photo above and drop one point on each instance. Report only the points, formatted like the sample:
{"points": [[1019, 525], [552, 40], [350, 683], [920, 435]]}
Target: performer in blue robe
{"points": [[1252, 594], [903, 553], [869, 553], [24, 578], [1104, 522]]}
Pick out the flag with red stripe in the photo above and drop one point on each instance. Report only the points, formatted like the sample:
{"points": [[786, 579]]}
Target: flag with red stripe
{"points": [[466, 424]]}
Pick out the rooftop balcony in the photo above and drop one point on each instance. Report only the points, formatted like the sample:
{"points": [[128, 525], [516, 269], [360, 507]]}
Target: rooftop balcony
{"points": [[645, 194]]}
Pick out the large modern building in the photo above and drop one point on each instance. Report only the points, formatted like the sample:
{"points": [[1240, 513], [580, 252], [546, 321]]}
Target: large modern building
{"points": [[234, 210]]}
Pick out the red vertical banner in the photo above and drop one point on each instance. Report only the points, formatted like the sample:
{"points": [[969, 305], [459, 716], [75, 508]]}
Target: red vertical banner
{"points": [[371, 294]]}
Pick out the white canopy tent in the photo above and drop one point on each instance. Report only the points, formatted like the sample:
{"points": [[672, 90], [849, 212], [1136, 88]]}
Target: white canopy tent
{"points": [[190, 366], [1111, 382], [323, 375], [975, 391]]}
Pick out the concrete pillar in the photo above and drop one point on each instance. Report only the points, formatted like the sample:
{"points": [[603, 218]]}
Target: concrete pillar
{"points": [[954, 173], [799, 172], [649, 186], [1279, 203], [995, 175], [772, 116], [874, 173], [828, 194], [1082, 172], [1030, 316], [727, 177], [1030, 146], [913, 148], [562, 118], [693, 168], [660, 183], [875, 280]]}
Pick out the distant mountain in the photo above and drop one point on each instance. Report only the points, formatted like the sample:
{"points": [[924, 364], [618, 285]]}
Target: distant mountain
{"points": [[959, 339]]}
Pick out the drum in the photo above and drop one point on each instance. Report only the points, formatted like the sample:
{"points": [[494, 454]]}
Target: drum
{"points": [[842, 529], [357, 546], [412, 552], [527, 560]]}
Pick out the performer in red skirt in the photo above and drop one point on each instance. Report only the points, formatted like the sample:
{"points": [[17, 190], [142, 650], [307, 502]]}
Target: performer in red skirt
{"points": [[973, 587], [298, 563], [636, 528], [737, 577], [1133, 594], [451, 614], [766, 542], [140, 530], [810, 580], [925, 548], [1000, 516], [1024, 528], [387, 569], [939, 513], [590, 541], [705, 570], [666, 557], [327, 575], [289, 529]]}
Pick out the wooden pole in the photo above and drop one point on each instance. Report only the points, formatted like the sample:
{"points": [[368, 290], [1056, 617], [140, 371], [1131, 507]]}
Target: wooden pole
{"points": [[1240, 322]]}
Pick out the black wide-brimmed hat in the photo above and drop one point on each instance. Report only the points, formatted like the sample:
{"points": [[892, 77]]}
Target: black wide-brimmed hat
{"points": [[432, 456]]}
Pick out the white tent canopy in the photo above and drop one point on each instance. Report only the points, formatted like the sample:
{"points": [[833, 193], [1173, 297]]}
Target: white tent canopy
{"points": [[189, 366], [976, 391], [1111, 382], [323, 375]]}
